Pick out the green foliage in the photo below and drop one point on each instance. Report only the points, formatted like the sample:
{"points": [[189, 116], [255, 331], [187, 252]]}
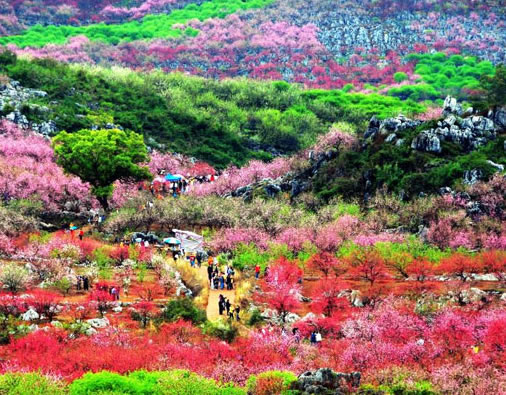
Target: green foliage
{"points": [[64, 285], [285, 380], [7, 58], [400, 76], [150, 27], [444, 75], [29, 384], [185, 309], [353, 107], [494, 88], [255, 318], [399, 387], [401, 168], [248, 255], [173, 382], [102, 157], [223, 330]]}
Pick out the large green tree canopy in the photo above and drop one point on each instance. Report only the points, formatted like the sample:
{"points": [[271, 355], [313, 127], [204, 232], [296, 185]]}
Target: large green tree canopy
{"points": [[101, 157]]}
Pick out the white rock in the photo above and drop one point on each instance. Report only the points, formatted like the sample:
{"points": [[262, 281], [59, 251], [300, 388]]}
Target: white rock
{"points": [[98, 322], [356, 298], [30, 315]]}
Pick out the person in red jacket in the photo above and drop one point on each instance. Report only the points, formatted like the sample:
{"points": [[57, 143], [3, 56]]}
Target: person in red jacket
{"points": [[257, 271]]}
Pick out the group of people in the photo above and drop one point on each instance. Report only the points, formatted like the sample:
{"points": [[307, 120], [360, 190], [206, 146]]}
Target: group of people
{"points": [[224, 306], [83, 283], [196, 259], [113, 290], [315, 338], [219, 279]]}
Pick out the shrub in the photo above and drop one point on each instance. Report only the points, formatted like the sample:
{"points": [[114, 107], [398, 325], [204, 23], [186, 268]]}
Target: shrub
{"points": [[174, 382], [400, 76], [222, 330], [13, 277], [273, 382], [183, 308], [29, 384]]}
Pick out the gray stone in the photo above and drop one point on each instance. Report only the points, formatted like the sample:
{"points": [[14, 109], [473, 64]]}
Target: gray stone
{"points": [[326, 381], [427, 141], [496, 165], [451, 106], [500, 118], [390, 138], [98, 323]]}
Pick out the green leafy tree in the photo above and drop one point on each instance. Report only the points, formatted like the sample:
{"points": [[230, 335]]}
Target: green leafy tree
{"points": [[495, 87], [102, 157]]}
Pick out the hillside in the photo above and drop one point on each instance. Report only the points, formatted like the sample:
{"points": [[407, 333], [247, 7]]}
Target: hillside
{"points": [[252, 197]]}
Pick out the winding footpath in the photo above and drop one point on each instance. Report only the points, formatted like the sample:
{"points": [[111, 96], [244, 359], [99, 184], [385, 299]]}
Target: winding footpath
{"points": [[212, 310]]}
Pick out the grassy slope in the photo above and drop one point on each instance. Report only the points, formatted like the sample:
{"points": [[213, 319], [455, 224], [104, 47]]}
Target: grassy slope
{"points": [[151, 26]]}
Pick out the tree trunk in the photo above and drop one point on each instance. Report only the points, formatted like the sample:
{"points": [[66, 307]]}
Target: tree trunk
{"points": [[104, 203]]}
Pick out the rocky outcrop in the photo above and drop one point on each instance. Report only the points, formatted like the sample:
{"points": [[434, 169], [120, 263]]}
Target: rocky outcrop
{"points": [[326, 381], [14, 99], [291, 184], [389, 127], [470, 133]]}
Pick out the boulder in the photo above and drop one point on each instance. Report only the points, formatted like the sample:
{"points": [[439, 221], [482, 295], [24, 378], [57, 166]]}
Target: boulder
{"points": [[471, 177], [98, 323], [117, 309], [326, 381], [356, 298], [500, 118], [496, 165], [427, 141], [30, 315], [451, 106]]}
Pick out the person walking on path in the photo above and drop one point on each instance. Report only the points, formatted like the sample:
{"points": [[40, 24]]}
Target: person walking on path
{"points": [[222, 281], [221, 304], [257, 271], [210, 273], [228, 305], [237, 312], [81, 234]]}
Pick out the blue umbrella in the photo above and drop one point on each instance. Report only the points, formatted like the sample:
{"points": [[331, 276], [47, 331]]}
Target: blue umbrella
{"points": [[172, 178], [171, 240]]}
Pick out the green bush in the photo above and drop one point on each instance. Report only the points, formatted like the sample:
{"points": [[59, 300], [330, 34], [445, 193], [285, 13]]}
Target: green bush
{"points": [[150, 27], [223, 330], [29, 384], [400, 387], [400, 76], [183, 308], [173, 382], [278, 379]]}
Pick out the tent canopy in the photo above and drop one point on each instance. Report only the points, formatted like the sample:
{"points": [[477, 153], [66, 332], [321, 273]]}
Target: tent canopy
{"points": [[172, 178]]}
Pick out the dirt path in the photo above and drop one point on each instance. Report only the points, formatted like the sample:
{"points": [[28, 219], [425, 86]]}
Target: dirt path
{"points": [[212, 310]]}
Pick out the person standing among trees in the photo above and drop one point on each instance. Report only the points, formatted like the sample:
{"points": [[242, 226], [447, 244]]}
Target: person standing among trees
{"points": [[81, 234], [257, 271], [210, 273], [221, 304], [228, 305], [237, 312]]}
